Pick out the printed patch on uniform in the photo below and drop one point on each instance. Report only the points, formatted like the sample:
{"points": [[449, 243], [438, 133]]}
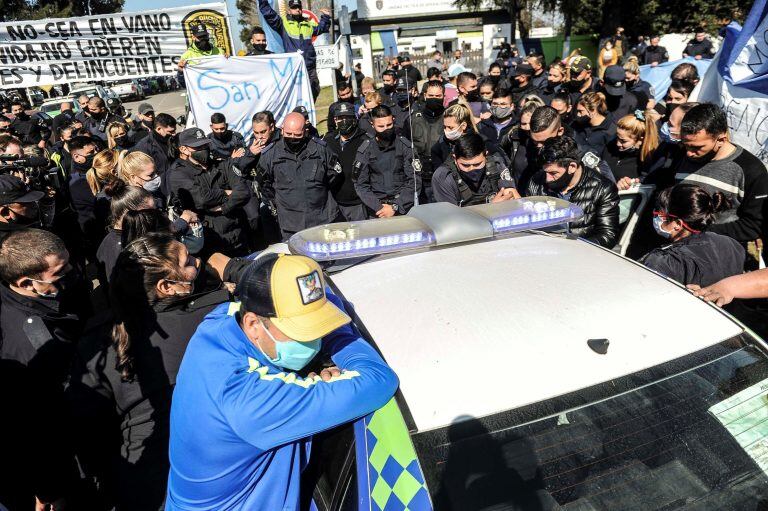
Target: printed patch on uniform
{"points": [[337, 168], [310, 287], [237, 171], [590, 160], [506, 175]]}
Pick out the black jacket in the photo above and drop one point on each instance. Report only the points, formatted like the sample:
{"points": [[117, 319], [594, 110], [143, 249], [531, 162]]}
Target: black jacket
{"points": [[597, 196], [595, 138], [222, 148], [653, 54], [161, 153], [124, 425], [63, 119], [107, 253], [343, 188], [427, 131], [412, 73], [27, 129], [384, 175], [702, 259], [204, 191], [299, 185], [487, 128], [695, 48]]}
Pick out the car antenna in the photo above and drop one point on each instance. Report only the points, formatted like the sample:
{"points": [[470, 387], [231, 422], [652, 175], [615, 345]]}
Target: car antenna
{"points": [[415, 162]]}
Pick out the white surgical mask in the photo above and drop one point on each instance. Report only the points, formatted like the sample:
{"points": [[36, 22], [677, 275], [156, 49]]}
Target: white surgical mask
{"points": [[657, 221], [453, 134], [152, 185]]}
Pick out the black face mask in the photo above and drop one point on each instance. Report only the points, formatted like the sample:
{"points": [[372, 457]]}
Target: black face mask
{"points": [[204, 45], [388, 88], [576, 85], [434, 105], [148, 124], [295, 145], [222, 135], [350, 100], [100, 115], [202, 156], [27, 221], [297, 17], [22, 116], [561, 183], [121, 141], [84, 166], [346, 126], [259, 47], [581, 120], [473, 96], [402, 98], [386, 137]]}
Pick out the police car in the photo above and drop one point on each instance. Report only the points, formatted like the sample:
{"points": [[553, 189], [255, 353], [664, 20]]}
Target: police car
{"points": [[537, 372]]}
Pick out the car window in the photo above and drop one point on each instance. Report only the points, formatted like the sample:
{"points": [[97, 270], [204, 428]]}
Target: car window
{"points": [[329, 477], [690, 433]]}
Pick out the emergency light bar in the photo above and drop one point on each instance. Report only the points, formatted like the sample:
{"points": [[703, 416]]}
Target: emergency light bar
{"points": [[527, 213], [437, 224]]}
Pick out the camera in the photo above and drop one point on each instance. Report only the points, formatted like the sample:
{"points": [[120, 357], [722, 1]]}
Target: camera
{"points": [[36, 170]]}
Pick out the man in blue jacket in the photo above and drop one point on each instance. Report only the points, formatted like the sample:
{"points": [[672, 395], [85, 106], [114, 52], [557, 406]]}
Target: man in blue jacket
{"points": [[241, 420], [297, 32]]}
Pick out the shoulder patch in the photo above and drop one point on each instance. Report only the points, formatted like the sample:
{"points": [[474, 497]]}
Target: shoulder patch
{"points": [[590, 159], [364, 146], [506, 175]]}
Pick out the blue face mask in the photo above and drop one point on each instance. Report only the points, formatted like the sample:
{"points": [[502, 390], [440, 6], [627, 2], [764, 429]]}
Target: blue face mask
{"points": [[293, 355], [666, 135]]}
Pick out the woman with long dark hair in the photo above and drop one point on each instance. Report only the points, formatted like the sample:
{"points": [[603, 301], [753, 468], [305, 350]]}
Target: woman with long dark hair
{"points": [[128, 364], [694, 256]]}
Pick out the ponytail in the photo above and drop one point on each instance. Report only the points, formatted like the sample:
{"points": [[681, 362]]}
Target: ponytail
{"points": [[693, 205], [651, 139]]}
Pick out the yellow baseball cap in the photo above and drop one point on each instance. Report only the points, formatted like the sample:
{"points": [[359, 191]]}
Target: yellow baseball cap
{"points": [[290, 291]]}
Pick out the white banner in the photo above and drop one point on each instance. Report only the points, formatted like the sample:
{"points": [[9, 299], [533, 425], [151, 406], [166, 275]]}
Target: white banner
{"points": [[108, 47], [239, 87], [747, 111], [327, 56]]}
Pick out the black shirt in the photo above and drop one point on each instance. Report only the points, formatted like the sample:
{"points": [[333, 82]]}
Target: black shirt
{"points": [[702, 259], [343, 188]]}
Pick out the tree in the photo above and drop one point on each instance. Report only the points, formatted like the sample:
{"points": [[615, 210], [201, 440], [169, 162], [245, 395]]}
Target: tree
{"points": [[12, 10]]}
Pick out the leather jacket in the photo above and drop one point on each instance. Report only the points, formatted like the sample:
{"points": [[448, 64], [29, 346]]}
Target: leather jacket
{"points": [[597, 196]]}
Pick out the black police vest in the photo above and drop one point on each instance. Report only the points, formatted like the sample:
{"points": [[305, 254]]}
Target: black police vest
{"points": [[488, 186]]}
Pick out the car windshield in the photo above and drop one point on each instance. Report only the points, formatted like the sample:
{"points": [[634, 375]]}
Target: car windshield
{"points": [[50, 107], [87, 92], [690, 433]]}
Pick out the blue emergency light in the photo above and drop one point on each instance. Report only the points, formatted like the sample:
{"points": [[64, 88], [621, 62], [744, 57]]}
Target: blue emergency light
{"points": [[344, 240]]}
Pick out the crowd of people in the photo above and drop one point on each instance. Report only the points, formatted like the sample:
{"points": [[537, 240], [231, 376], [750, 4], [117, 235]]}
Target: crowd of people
{"points": [[123, 237]]}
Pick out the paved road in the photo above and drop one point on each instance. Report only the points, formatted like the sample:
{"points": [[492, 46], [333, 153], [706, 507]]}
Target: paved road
{"points": [[170, 103]]}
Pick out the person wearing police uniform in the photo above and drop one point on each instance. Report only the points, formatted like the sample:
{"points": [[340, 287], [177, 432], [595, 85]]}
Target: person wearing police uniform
{"points": [[653, 54], [405, 95], [618, 99], [345, 142], [297, 32], [385, 179], [225, 143], [25, 127], [345, 96], [569, 175], [473, 176], [700, 47], [296, 175], [201, 46], [523, 76], [427, 127], [389, 83], [99, 119], [258, 43], [42, 316], [213, 192]]}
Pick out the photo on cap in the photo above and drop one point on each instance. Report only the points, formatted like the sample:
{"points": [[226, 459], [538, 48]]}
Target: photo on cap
{"points": [[310, 287]]}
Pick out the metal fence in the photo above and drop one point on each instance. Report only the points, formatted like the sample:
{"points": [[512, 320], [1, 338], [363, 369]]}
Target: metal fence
{"points": [[473, 60]]}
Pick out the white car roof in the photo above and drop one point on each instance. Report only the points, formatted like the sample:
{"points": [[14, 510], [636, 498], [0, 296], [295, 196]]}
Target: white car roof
{"points": [[484, 327]]}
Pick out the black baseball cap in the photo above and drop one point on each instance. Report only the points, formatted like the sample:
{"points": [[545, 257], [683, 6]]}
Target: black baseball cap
{"points": [[146, 108], [193, 137], [614, 80], [404, 57], [523, 69], [13, 189], [303, 111], [199, 30], [294, 4], [344, 109]]}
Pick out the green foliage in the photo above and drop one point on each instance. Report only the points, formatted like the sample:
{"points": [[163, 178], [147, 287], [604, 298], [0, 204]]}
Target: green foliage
{"points": [[12, 10]]}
